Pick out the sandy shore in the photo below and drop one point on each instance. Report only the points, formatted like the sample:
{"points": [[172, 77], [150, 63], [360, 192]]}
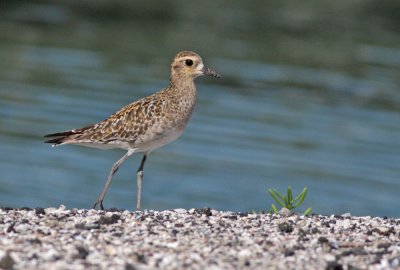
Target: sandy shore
{"points": [[59, 238]]}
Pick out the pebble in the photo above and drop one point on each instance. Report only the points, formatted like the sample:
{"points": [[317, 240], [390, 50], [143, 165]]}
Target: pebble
{"points": [[285, 212], [61, 238]]}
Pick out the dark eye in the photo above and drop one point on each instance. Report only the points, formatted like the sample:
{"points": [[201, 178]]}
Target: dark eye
{"points": [[189, 62]]}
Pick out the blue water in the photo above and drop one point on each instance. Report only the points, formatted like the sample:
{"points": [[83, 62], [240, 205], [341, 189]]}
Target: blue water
{"points": [[266, 123]]}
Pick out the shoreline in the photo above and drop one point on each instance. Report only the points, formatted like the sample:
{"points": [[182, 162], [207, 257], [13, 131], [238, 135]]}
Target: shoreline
{"points": [[60, 238]]}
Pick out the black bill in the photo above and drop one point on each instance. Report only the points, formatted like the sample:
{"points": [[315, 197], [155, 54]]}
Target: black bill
{"points": [[210, 72]]}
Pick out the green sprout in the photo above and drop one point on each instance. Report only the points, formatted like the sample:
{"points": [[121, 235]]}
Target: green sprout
{"points": [[287, 201]]}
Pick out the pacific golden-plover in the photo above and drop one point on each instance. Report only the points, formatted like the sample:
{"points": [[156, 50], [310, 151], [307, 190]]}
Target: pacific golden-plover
{"points": [[145, 124]]}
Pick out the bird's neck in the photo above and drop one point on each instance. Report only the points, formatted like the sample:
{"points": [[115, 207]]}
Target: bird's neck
{"points": [[183, 95], [183, 86]]}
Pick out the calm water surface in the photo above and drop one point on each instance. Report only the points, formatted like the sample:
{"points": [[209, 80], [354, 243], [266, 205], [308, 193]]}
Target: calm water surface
{"points": [[295, 107]]}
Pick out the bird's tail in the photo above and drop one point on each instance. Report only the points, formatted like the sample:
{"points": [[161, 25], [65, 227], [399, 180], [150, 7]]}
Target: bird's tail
{"points": [[59, 137], [65, 136]]}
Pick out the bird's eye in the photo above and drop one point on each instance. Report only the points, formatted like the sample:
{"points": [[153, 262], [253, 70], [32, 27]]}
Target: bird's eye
{"points": [[189, 62]]}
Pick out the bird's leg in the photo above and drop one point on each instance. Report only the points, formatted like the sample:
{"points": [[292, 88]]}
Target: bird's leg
{"points": [[139, 182], [114, 169]]}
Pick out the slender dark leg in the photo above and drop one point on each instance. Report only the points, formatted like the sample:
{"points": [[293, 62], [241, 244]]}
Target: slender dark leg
{"points": [[114, 169], [139, 182]]}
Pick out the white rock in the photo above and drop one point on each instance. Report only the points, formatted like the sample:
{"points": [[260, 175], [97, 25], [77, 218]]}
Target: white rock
{"points": [[346, 224], [180, 211], [50, 210], [244, 253], [329, 257]]}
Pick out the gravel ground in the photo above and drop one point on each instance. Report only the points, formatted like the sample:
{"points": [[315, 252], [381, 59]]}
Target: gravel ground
{"points": [[58, 238]]}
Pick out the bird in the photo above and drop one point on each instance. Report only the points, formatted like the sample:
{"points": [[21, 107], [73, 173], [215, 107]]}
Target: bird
{"points": [[146, 124]]}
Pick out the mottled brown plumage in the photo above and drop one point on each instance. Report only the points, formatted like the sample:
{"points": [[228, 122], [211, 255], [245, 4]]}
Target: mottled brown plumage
{"points": [[148, 123]]}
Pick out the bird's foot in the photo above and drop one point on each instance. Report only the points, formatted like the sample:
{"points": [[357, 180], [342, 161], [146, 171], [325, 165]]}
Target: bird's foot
{"points": [[100, 203]]}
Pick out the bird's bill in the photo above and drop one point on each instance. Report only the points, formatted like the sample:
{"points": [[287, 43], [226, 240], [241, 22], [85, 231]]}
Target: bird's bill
{"points": [[210, 72]]}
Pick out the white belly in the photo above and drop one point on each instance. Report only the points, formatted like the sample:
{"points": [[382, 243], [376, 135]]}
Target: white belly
{"points": [[152, 141]]}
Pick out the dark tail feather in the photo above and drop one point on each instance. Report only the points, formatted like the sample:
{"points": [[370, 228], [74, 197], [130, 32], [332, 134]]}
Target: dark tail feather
{"points": [[56, 141], [60, 136]]}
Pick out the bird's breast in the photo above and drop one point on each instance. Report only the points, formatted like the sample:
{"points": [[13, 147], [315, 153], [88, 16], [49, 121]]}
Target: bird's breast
{"points": [[169, 122]]}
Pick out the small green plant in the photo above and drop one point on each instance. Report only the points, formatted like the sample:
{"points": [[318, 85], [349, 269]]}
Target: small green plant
{"points": [[288, 201]]}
